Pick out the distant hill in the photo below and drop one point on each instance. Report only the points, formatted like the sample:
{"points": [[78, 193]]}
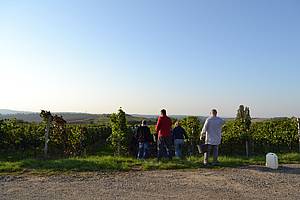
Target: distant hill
{"points": [[145, 116], [86, 118], [12, 112], [69, 117], [72, 118]]}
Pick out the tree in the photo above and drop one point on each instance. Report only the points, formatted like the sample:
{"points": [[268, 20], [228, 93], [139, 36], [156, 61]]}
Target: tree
{"points": [[243, 121], [119, 136], [47, 117]]}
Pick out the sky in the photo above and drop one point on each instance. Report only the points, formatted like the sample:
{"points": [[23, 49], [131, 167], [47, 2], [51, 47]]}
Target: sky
{"points": [[185, 56]]}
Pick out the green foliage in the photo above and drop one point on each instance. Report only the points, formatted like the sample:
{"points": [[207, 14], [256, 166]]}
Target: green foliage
{"points": [[21, 136], [278, 135], [120, 133], [193, 129], [243, 122], [79, 139], [231, 133]]}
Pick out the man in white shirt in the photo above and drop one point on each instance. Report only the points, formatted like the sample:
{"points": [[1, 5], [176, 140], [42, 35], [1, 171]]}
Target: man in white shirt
{"points": [[212, 132]]}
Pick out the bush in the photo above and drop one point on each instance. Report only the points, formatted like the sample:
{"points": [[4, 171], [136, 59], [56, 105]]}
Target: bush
{"points": [[120, 137]]}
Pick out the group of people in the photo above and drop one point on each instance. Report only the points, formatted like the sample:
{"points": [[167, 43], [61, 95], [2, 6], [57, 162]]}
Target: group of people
{"points": [[166, 137]]}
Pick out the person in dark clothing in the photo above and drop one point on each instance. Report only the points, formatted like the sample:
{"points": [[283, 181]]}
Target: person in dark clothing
{"points": [[179, 135], [144, 138], [133, 142], [163, 129]]}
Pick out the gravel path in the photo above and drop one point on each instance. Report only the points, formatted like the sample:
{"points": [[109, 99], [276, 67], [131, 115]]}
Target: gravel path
{"points": [[251, 182]]}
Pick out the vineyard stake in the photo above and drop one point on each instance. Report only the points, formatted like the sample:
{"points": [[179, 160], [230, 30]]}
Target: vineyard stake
{"points": [[47, 135], [298, 122]]}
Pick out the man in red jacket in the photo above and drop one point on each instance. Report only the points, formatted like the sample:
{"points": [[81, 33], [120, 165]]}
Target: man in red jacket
{"points": [[163, 129]]}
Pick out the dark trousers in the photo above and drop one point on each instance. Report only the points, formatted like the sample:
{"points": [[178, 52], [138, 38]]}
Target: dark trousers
{"points": [[164, 144], [215, 149]]}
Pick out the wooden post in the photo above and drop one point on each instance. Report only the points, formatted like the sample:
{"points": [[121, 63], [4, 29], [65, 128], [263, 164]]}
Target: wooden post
{"points": [[247, 148], [47, 136], [298, 122]]}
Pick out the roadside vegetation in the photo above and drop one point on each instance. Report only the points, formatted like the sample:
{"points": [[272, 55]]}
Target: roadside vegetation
{"points": [[109, 163]]}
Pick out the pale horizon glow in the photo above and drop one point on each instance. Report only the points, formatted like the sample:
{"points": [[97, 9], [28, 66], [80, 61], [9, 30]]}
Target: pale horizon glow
{"points": [[187, 57]]}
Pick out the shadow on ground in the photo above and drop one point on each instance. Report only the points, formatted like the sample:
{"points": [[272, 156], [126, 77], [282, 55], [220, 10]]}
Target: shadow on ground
{"points": [[287, 169]]}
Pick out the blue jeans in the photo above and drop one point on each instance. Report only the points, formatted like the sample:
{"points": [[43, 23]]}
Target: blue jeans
{"points": [[143, 150], [178, 147]]}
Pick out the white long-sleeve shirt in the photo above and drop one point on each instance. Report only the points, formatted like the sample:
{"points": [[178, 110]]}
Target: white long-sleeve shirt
{"points": [[212, 130]]}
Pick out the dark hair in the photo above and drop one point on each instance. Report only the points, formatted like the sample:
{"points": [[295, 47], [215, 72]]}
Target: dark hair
{"points": [[214, 111], [163, 112]]}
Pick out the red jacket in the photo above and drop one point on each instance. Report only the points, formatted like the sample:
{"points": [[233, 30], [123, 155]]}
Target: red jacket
{"points": [[164, 126]]}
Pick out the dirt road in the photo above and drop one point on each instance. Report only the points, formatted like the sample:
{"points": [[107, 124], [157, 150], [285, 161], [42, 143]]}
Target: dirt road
{"points": [[251, 182]]}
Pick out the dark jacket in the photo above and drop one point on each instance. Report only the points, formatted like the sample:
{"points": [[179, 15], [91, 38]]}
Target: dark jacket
{"points": [[179, 133], [143, 134]]}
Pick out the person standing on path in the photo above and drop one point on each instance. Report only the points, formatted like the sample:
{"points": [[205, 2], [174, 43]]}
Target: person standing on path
{"points": [[143, 137], [212, 132], [163, 129], [179, 134]]}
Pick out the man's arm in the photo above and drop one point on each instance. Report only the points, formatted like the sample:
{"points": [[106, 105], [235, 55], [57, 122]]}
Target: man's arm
{"points": [[204, 129], [158, 124]]}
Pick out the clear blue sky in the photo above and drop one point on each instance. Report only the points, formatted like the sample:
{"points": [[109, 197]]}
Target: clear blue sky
{"points": [[185, 56]]}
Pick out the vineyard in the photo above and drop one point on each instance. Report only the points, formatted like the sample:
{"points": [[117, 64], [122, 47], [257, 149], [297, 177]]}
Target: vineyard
{"points": [[16, 136], [276, 135]]}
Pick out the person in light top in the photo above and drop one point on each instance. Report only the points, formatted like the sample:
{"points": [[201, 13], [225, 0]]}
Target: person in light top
{"points": [[212, 133]]}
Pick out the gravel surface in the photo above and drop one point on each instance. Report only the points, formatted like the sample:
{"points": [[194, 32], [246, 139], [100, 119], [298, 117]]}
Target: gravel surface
{"points": [[252, 182]]}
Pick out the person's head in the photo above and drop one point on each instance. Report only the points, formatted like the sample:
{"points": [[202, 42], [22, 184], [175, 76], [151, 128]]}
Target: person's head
{"points": [[144, 123], [163, 112], [177, 123], [214, 112]]}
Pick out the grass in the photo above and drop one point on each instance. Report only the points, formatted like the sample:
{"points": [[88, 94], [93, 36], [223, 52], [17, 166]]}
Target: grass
{"points": [[112, 163]]}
